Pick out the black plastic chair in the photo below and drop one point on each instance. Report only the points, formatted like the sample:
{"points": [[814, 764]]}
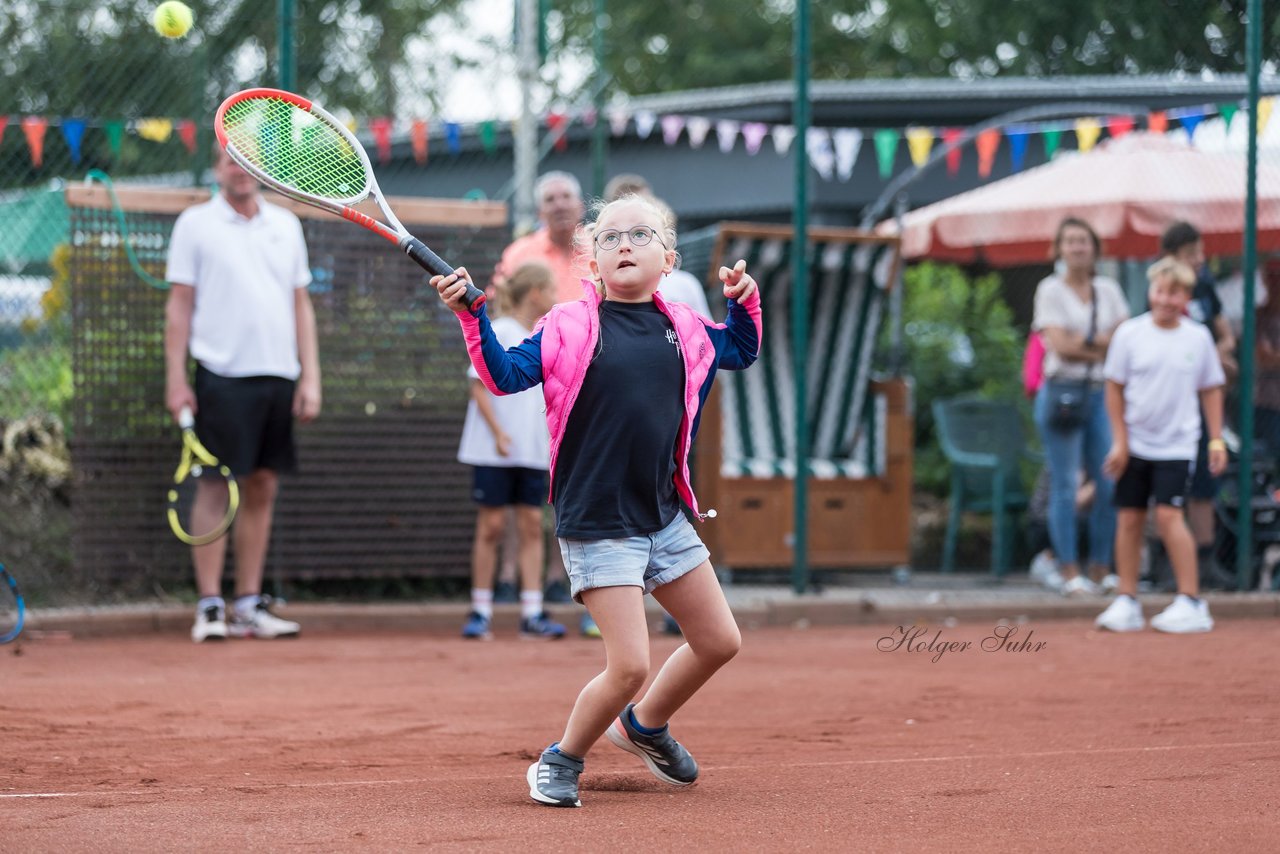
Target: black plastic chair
{"points": [[986, 443]]}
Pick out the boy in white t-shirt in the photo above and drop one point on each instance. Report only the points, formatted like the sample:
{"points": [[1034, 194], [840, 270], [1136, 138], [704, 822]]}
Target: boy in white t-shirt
{"points": [[1161, 368]]}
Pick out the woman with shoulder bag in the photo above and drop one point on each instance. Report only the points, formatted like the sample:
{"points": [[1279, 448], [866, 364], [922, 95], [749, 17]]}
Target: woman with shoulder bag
{"points": [[1076, 311]]}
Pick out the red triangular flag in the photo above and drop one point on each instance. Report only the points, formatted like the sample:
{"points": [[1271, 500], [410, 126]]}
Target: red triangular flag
{"points": [[1118, 126], [34, 128], [187, 133], [4, 123], [988, 143], [1157, 121], [556, 124], [381, 128], [418, 133], [950, 135]]}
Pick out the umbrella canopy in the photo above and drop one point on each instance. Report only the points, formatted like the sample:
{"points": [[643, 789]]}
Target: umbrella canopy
{"points": [[1129, 189]]}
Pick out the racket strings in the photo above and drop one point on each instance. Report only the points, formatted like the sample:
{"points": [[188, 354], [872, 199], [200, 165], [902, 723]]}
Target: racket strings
{"points": [[296, 148]]}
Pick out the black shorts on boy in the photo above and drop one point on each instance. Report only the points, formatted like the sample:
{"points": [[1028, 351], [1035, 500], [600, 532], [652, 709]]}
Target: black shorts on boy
{"points": [[246, 422], [1164, 480], [507, 486]]}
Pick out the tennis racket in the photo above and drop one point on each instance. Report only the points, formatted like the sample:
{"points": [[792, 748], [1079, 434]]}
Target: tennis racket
{"points": [[12, 609], [297, 148], [204, 497]]}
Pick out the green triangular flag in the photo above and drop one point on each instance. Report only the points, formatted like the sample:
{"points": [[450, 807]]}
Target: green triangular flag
{"points": [[1052, 139], [487, 137], [886, 150], [1228, 111], [115, 136]]}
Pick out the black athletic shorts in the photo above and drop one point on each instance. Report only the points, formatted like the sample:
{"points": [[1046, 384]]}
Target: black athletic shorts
{"points": [[246, 422], [506, 486], [1164, 480]]}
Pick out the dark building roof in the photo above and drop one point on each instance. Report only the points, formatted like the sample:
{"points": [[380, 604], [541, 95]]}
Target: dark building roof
{"points": [[704, 185]]}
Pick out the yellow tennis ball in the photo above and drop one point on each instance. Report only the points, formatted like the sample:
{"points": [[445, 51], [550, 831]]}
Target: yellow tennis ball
{"points": [[172, 19]]}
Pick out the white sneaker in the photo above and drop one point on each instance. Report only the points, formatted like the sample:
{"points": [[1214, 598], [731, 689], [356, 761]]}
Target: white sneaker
{"points": [[211, 624], [1124, 614], [1184, 616], [261, 623], [1080, 586], [1110, 584], [1044, 571]]}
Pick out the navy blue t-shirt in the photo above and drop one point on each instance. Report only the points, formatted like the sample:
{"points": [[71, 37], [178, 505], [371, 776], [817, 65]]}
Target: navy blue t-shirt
{"points": [[615, 470]]}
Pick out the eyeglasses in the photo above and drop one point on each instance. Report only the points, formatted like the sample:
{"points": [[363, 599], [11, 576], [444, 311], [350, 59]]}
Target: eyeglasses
{"points": [[639, 235]]}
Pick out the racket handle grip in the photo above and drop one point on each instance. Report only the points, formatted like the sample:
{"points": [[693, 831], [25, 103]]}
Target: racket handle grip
{"points": [[434, 264]]}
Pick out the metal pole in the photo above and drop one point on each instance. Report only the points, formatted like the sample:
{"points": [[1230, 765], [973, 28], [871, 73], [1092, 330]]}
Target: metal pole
{"points": [[897, 353], [1244, 540], [287, 70], [526, 135], [599, 141], [800, 300]]}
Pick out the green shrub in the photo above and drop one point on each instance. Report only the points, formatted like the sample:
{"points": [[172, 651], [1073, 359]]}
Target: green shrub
{"points": [[959, 338]]}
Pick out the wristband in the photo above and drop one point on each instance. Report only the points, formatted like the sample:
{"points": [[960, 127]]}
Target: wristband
{"points": [[1217, 445]]}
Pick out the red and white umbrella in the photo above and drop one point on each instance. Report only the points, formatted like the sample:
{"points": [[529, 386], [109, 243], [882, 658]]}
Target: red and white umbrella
{"points": [[1128, 189]]}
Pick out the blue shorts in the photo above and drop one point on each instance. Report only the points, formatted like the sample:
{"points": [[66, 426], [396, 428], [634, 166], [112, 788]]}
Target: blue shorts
{"points": [[646, 561], [506, 486]]}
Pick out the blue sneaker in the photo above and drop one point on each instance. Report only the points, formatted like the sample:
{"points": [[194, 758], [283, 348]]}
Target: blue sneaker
{"points": [[540, 627], [587, 626], [477, 627], [666, 758]]}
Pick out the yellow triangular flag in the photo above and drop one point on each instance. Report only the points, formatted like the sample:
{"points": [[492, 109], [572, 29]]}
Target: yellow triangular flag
{"points": [[156, 130], [1265, 106], [352, 125], [919, 141], [1087, 132]]}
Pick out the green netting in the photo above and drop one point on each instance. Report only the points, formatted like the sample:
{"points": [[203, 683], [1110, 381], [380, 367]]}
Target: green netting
{"points": [[295, 148]]}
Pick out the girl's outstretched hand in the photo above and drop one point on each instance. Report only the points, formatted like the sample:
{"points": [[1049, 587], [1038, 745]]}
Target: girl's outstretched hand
{"points": [[738, 285], [451, 288]]}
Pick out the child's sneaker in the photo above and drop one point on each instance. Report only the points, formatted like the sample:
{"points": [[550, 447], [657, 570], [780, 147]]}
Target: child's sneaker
{"points": [[1184, 616], [1124, 614], [210, 625], [1110, 583], [665, 756], [261, 623], [553, 779], [477, 627], [587, 627], [540, 627]]}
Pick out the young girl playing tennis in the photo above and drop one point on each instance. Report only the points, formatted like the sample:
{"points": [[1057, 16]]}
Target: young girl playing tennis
{"points": [[625, 375]]}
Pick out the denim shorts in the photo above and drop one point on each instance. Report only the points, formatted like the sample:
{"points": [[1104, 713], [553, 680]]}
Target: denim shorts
{"points": [[647, 561]]}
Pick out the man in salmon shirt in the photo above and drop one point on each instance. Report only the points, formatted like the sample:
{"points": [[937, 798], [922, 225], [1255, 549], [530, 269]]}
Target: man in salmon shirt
{"points": [[560, 212]]}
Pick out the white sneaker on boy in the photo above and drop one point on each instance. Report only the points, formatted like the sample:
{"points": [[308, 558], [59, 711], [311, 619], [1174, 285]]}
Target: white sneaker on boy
{"points": [[260, 623], [1184, 616], [1124, 614]]}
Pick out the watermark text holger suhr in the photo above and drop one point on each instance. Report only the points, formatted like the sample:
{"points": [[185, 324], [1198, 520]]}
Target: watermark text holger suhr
{"points": [[920, 640]]}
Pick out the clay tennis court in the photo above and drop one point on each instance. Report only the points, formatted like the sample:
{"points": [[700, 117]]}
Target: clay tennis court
{"points": [[811, 740]]}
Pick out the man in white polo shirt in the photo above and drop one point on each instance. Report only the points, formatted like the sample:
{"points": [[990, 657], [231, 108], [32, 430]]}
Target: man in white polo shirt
{"points": [[238, 304]]}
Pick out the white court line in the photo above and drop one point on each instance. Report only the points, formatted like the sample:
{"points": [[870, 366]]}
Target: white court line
{"points": [[965, 757]]}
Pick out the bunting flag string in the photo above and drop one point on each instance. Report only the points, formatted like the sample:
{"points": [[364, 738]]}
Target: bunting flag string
{"points": [[833, 151]]}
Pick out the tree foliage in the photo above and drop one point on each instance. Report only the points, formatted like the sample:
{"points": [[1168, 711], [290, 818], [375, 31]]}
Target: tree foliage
{"points": [[959, 339], [101, 57], [655, 47]]}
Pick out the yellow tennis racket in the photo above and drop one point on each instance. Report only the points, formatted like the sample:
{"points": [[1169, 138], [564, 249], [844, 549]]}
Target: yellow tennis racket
{"points": [[204, 497]]}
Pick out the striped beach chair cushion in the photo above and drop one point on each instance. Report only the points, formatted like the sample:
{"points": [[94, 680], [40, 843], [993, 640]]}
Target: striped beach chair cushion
{"points": [[846, 424]]}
